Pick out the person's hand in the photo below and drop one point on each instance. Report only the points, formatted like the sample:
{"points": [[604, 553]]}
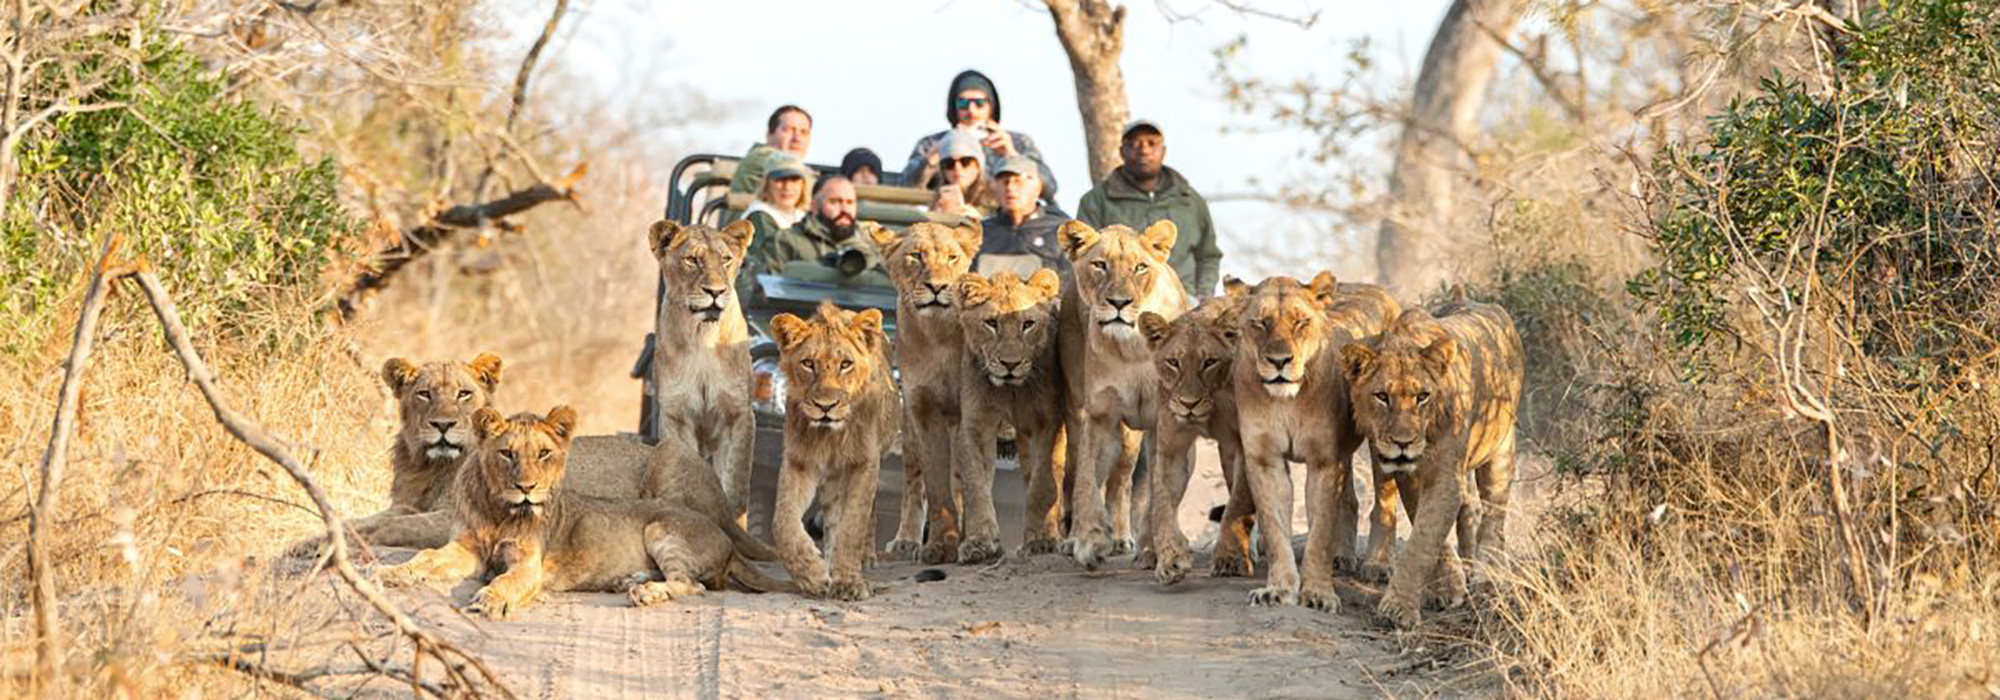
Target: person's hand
{"points": [[950, 198], [931, 155], [999, 141]]}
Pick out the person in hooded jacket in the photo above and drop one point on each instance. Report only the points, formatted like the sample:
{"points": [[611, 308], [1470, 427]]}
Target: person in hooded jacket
{"points": [[973, 106]]}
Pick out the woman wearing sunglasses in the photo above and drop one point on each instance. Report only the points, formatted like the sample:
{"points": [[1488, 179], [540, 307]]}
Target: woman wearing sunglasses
{"points": [[962, 186], [973, 107]]}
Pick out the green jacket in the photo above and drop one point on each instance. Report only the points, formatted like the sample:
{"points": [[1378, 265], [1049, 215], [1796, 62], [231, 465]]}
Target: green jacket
{"points": [[749, 176], [1116, 200], [807, 242]]}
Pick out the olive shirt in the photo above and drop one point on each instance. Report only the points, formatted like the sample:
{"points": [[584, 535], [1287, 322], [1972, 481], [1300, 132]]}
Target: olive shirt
{"points": [[1195, 258], [780, 251]]}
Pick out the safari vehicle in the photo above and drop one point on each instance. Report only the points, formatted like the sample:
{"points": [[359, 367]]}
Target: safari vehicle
{"points": [[699, 194]]}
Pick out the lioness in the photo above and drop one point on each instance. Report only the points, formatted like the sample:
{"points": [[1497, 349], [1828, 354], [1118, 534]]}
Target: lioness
{"points": [[840, 416], [924, 263], [1292, 401], [1194, 356], [514, 519], [1108, 371], [701, 367], [1437, 399], [1011, 378]]}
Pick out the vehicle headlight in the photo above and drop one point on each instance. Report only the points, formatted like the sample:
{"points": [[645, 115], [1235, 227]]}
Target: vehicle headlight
{"points": [[767, 386]]}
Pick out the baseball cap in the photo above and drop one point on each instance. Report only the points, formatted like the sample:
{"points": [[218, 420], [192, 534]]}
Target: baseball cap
{"points": [[786, 165], [1017, 165], [1138, 124]]}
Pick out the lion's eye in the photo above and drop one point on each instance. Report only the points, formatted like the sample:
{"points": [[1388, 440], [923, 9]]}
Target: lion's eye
{"points": [[1382, 397], [916, 258], [846, 365], [1300, 324], [424, 396], [465, 394], [1100, 266], [1028, 324], [507, 455], [808, 364], [542, 455], [1173, 364], [992, 325], [1210, 363], [690, 261], [1141, 268], [1423, 397]]}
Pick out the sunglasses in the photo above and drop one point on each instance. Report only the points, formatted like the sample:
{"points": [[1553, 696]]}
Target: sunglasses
{"points": [[963, 162], [966, 102]]}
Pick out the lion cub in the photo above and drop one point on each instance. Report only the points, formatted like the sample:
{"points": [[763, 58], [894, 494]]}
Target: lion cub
{"points": [[1194, 355], [841, 411], [1011, 378], [1436, 397], [515, 520]]}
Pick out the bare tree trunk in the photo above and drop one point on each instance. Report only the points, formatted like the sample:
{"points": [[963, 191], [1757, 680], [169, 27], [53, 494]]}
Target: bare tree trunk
{"points": [[1418, 240], [1093, 34]]}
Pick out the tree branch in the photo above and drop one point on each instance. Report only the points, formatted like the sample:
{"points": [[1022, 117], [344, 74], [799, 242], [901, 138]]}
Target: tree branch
{"points": [[521, 76]]}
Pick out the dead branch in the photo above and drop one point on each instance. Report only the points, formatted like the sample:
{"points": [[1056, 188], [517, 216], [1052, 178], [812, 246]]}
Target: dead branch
{"points": [[47, 619], [468, 673], [521, 76], [421, 240]]}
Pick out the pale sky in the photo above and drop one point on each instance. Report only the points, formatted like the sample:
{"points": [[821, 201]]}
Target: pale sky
{"points": [[874, 72]]}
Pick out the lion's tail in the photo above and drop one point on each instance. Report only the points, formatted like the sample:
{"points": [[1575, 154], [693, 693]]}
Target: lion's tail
{"points": [[750, 547], [749, 577]]}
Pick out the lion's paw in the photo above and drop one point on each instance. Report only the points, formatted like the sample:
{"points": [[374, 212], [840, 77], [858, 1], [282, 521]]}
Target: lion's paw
{"points": [[1123, 546], [1146, 559], [1034, 547], [1373, 571], [1229, 565], [940, 552], [1274, 595], [491, 603], [1090, 550], [1321, 598], [656, 592], [816, 586], [979, 550], [1172, 567], [1399, 611], [902, 549], [1066, 546], [849, 589], [402, 576]]}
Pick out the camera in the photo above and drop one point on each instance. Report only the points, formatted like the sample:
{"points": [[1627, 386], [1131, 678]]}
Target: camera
{"points": [[849, 261]]}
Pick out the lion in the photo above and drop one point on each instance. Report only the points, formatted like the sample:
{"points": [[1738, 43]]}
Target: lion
{"points": [[1108, 371], [1194, 357], [701, 371], [924, 263], [1437, 398], [516, 522], [841, 414], [1011, 378], [1292, 405]]}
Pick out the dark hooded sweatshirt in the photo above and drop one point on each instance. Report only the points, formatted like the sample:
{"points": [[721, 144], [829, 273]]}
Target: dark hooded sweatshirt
{"points": [[919, 173]]}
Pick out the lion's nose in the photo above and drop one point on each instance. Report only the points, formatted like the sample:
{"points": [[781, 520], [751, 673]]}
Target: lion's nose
{"points": [[443, 425], [1009, 365], [1278, 363], [715, 292], [825, 405], [1188, 403], [937, 289], [525, 486], [1402, 444], [1118, 304]]}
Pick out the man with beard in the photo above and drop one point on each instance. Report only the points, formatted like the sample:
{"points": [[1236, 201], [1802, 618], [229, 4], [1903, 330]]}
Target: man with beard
{"points": [[822, 246], [1144, 190]]}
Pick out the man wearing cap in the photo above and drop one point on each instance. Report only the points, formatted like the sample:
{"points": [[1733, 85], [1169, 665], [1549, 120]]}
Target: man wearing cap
{"points": [[787, 131], [1021, 236], [822, 246], [863, 167], [973, 106], [1144, 190]]}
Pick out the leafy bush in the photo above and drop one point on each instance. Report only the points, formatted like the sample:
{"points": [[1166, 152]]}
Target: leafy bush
{"points": [[212, 189]]}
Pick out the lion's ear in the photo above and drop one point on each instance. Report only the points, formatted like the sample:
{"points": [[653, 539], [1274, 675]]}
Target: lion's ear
{"points": [[883, 237], [488, 423], [1226, 332], [739, 235], [398, 373], [1076, 237], [486, 370], [869, 324], [1046, 282], [788, 330], [1159, 238], [1441, 353], [1154, 327], [1235, 288], [973, 290], [665, 234], [562, 422], [969, 235], [1356, 359], [1324, 288]]}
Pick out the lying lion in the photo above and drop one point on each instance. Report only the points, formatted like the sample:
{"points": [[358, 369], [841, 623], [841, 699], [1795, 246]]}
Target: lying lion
{"points": [[516, 522]]}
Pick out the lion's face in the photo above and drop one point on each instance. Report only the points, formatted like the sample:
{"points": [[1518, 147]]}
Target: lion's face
{"points": [[436, 400], [1008, 323], [1398, 385], [1193, 355], [828, 362], [925, 261], [1284, 329], [522, 459], [1116, 270], [698, 264]]}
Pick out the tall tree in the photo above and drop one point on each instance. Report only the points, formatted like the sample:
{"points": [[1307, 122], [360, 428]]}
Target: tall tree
{"points": [[1418, 237], [1092, 32]]}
